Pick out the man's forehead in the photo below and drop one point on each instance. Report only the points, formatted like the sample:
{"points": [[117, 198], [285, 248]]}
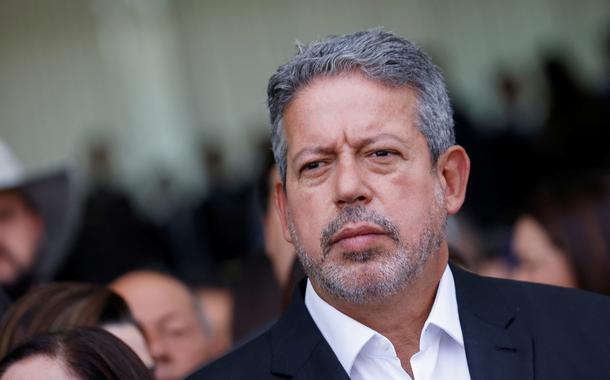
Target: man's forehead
{"points": [[353, 109], [172, 315], [163, 312], [326, 86], [152, 290]]}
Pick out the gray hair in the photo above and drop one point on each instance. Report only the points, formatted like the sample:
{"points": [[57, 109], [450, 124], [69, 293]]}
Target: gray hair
{"points": [[381, 56], [202, 315]]}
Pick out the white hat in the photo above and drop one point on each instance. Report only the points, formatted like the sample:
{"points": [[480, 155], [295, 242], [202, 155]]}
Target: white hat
{"points": [[53, 196]]}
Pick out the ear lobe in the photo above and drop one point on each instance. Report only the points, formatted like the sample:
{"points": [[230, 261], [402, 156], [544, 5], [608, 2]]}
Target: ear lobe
{"points": [[454, 169], [280, 200]]}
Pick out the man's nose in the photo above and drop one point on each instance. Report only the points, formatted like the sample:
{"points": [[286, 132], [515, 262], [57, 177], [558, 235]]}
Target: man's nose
{"points": [[157, 350], [350, 183]]}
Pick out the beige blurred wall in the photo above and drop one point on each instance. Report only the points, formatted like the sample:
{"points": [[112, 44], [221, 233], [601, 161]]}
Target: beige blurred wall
{"points": [[52, 79], [158, 74]]}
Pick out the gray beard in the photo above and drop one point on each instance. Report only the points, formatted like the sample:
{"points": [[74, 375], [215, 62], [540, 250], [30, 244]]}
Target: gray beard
{"points": [[387, 272]]}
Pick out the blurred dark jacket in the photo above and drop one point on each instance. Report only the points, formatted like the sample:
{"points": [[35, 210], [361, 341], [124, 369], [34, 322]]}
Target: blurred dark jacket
{"points": [[5, 302]]}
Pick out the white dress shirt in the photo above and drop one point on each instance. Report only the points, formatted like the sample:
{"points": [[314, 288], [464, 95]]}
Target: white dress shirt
{"points": [[366, 355]]}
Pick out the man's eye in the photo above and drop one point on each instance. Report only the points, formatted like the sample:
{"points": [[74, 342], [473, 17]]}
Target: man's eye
{"points": [[382, 153], [311, 165], [175, 331]]}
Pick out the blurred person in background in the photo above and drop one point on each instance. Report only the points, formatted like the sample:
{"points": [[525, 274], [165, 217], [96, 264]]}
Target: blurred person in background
{"points": [[63, 306], [36, 216], [112, 238], [576, 133], [178, 333], [79, 354], [210, 238], [564, 237], [5, 302], [286, 268], [269, 273], [218, 303]]}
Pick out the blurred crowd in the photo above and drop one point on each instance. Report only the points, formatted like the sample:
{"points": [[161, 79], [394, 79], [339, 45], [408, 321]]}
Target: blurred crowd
{"points": [[160, 292]]}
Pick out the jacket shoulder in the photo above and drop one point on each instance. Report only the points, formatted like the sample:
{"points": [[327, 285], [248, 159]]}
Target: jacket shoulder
{"points": [[545, 299], [544, 310], [248, 361], [579, 309]]}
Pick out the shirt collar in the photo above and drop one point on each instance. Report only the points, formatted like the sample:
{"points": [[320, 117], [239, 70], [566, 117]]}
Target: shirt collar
{"points": [[444, 312], [347, 337]]}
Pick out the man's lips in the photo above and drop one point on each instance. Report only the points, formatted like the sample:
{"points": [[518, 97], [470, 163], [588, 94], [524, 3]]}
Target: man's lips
{"points": [[356, 234]]}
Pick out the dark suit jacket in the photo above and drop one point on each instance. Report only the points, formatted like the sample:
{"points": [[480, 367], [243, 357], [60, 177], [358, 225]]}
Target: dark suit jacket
{"points": [[512, 330]]}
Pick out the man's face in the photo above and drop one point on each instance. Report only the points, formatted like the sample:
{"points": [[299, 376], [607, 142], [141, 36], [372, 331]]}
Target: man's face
{"points": [[363, 206], [20, 234], [177, 340], [539, 259]]}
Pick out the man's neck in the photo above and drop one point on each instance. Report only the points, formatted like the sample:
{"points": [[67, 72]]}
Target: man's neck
{"points": [[401, 316]]}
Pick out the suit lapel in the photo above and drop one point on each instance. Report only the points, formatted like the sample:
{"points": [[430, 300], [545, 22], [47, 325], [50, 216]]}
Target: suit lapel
{"points": [[497, 347], [298, 348], [322, 364]]}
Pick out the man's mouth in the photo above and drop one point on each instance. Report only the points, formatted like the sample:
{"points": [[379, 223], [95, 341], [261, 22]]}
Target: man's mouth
{"points": [[358, 237]]}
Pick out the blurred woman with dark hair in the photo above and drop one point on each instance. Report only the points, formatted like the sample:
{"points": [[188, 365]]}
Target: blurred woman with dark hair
{"points": [[63, 306], [78, 354], [564, 238]]}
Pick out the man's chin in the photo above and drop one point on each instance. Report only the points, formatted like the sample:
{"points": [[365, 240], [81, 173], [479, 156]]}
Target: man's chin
{"points": [[362, 292], [360, 281]]}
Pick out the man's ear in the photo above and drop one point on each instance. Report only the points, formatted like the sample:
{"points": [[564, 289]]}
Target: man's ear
{"points": [[280, 207], [453, 170]]}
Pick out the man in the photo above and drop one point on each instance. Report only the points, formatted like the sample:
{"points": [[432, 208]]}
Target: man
{"points": [[177, 332], [363, 135], [36, 215]]}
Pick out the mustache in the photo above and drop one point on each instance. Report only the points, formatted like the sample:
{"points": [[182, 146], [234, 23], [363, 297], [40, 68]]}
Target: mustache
{"points": [[354, 214]]}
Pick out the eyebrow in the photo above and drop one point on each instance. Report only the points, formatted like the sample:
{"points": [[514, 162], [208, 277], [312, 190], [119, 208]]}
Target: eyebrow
{"points": [[312, 150], [382, 136], [167, 318], [362, 142]]}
